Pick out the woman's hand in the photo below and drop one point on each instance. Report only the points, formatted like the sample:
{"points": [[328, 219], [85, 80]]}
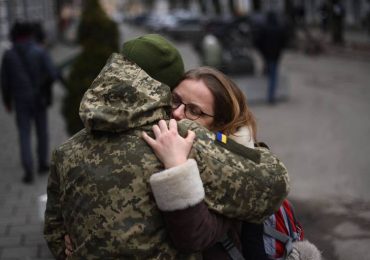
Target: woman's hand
{"points": [[68, 243], [170, 148]]}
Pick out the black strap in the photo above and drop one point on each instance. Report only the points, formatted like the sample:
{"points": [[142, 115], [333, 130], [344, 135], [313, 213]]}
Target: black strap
{"points": [[253, 246], [230, 248]]}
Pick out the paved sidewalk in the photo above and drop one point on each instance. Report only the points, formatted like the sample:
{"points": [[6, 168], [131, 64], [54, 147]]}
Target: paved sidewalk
{"points": [[320, 132]]}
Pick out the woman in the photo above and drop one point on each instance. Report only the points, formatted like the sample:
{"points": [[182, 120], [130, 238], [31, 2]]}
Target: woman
{"points": [[210, 98], [195, 98]]}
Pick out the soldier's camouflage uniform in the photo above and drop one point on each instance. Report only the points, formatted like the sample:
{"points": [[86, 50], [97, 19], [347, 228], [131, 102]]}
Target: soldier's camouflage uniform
{"points": [[98, 189]]}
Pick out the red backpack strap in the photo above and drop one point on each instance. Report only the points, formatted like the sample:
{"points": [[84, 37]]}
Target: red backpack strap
{"points": [[295, 228], [291, 226]]}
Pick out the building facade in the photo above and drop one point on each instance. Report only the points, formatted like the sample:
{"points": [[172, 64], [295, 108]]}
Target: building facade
{"points": [[356, 10], [26, 10]]}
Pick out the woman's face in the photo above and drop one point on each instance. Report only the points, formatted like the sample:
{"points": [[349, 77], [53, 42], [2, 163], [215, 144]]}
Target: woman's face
{"points": [[193, 100]]}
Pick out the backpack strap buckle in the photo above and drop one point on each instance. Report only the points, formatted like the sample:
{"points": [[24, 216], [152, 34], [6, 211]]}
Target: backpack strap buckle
{"points": [[231, 249]]}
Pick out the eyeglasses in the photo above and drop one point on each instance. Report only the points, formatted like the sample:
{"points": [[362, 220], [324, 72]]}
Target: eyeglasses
{"points": [[191, 111]]}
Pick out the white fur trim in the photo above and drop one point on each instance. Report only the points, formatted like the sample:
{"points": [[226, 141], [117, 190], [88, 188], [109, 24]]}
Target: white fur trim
{"points": [[179, 187], [243, 136], [304, 250]]}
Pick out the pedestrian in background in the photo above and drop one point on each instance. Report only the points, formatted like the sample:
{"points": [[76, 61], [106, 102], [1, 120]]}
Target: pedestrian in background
{"points": [[324, 16], [25, 67], [337, 16], [270, 41]]}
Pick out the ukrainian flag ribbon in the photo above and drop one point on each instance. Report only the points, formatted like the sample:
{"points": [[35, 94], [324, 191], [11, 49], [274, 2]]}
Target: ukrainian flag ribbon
{"points": [[221, 137]]}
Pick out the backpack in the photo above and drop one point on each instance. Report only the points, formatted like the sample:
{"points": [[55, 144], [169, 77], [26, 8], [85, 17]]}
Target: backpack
{"points": [[273, 239], [280, 230]]}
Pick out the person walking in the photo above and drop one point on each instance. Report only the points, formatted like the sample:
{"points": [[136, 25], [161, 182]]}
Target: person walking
{"points": [[337, 21], [271, 40], [25, 67]]}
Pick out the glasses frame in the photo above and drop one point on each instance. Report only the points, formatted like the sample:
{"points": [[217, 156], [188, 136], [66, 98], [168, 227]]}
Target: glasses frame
{"points": [[192, 117]]}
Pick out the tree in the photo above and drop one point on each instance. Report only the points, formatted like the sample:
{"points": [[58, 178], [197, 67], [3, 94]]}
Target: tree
{"points": [[98, 36]]}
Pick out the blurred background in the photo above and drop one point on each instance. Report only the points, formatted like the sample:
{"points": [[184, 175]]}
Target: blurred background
{"points": [[318, 121]]}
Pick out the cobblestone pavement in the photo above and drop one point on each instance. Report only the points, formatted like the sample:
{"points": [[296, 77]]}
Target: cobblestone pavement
{"points": [[320, 132]]}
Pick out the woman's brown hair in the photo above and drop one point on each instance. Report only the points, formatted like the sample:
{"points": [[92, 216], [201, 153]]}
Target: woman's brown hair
{"points": [[230, 103]]}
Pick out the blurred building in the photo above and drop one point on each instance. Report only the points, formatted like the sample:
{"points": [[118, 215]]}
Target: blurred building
{"points": [[356, 10], [26, 10]]}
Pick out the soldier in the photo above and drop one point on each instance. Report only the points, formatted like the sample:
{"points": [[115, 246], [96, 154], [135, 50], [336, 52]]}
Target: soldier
{"points": [[98, 189]]}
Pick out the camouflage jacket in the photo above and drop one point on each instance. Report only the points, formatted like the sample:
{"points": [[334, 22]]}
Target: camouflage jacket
{"points": [[98, 188]]}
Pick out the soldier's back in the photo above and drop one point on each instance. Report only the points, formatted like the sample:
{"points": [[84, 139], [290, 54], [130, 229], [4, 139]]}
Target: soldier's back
{"points": [[108, 206]]}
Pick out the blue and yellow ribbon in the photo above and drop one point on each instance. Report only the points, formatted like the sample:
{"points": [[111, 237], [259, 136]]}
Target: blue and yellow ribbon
{"points": [[221, 137]]}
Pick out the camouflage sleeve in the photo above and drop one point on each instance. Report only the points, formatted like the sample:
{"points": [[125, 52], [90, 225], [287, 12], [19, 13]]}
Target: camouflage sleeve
{"points": [[54, 227], [239, 182]]}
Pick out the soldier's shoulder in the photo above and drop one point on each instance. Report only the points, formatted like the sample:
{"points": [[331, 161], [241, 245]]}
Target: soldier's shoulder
{"points": [[237, 148], [216, 143], [200, 131], [72, 141]]}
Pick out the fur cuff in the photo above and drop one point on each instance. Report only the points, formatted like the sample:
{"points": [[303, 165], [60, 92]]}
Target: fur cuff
{"points": [[304, 250], [178, 188]]}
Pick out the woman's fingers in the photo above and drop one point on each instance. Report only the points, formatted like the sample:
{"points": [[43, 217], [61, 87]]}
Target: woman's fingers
{"points": [[163, 126], [68, 243], [150, 141], [190, 137], [157, 132], [173, 125], [68, 252]]}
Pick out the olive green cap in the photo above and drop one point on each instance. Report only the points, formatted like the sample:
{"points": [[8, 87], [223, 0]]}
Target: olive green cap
{"points": [[157, 57]]}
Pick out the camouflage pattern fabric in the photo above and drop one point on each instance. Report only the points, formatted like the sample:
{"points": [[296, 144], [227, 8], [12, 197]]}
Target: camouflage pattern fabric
{"points": [[237, 186], [98, 188]]}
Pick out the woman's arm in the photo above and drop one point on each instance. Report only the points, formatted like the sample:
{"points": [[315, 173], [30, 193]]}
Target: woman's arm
{"points": [[239, 182], [179, 193], [195, 228]]}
